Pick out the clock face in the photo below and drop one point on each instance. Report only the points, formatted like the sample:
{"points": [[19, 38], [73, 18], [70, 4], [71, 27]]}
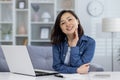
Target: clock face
{"points": [[95, 8]]}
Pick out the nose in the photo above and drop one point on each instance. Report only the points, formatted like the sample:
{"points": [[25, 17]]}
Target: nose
{"points": [[67, 23]]}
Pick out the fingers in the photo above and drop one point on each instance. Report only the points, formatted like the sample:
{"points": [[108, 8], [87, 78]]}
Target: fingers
{"points": [[87, 64], [83, 69], [76, 33], [75, 39]]}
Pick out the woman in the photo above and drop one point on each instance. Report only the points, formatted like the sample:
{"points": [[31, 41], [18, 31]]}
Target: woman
{"points": [[72, 50]]}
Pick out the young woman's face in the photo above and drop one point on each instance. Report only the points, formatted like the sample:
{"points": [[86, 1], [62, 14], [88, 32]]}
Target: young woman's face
{"points": [[68, 23]]}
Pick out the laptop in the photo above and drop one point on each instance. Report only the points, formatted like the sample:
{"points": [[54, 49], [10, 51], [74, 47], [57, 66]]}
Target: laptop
{"points": [[19, 61]]}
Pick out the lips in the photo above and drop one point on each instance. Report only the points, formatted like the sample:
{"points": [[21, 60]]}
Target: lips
{"points": [[69, 28]]}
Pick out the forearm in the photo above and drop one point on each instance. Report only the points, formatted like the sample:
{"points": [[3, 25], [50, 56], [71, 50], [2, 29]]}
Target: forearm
{"points": [[65, 69]]}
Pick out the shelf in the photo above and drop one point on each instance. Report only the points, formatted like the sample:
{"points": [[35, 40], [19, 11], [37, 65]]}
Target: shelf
{"points": [[21, 35], [6, 22], [6, 41], [21, 10], [43, 1], [6, 2], [35, 22], [40, 41], [29, 22]]}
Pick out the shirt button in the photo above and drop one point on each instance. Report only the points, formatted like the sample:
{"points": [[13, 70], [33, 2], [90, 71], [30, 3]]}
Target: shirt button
{"points": [[80, 52]]}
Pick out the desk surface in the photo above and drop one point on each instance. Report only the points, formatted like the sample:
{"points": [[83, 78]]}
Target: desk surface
{"points": [[104, 75], [90, 76], [11, 76]]}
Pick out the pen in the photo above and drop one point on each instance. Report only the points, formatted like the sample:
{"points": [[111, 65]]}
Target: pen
{"points": [[58, 75]]}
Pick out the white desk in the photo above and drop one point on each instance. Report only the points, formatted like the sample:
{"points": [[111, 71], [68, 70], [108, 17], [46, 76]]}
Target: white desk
{"points": [[104, 76], [11, 76], [90, 76]]}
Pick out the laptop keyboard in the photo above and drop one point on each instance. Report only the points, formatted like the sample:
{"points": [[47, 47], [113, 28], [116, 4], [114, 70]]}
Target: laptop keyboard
{"points": [[39, 73]]}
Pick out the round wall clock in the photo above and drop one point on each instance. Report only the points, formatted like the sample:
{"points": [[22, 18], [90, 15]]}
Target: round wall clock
{"points": [[95, 8]]}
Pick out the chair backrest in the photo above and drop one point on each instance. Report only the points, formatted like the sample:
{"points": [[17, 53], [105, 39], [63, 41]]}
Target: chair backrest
{"points": [[3, 63], [41, 57]]}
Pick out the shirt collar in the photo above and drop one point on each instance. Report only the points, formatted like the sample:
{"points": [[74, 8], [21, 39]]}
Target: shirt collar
{"points": [[82, 38]]}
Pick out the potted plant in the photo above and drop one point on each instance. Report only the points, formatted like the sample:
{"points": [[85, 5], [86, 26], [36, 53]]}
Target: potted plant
{"points": [[6, 33]]}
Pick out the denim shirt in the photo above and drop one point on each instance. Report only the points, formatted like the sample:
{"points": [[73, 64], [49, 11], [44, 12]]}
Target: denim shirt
{"points": [[82, 53]]}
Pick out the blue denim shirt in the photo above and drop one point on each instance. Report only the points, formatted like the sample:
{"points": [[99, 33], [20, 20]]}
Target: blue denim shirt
{"points": [[79, 55]]}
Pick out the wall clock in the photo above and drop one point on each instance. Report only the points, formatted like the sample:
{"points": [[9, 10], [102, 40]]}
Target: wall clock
{"points": [[95, 8]]}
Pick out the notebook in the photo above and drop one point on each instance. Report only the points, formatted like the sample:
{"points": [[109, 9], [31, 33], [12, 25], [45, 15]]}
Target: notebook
{"points": [[19, 61]]}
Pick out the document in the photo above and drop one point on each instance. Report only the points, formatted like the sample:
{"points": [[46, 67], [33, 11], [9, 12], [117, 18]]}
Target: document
{"points": [[75, 76], [100, 76]]}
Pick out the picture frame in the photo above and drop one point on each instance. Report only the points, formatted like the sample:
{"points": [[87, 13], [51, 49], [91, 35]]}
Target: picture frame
{"points": [[44, 33]]}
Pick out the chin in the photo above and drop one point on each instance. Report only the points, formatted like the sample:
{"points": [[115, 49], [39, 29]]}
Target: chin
{"points": [[70, 33]]}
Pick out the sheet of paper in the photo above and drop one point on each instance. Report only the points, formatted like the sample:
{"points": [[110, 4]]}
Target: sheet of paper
{"points": [[75, 76]]}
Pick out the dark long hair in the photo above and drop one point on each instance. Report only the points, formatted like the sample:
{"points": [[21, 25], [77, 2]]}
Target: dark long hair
{"points": [[57, 36]]}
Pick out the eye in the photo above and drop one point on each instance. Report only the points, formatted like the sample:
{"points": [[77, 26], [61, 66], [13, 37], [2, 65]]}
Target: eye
{"points": [[62, 23], [69, 19]]}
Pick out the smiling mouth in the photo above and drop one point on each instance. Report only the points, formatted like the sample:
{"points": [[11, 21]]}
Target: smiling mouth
{"points": [[70, 28]]}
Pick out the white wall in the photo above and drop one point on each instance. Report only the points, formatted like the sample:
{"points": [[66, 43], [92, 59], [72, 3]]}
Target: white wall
{"points": [[113, 10], [93, 28]]}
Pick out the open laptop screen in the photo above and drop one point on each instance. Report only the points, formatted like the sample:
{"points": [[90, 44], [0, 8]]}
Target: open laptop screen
{"points": [[19, 61]]}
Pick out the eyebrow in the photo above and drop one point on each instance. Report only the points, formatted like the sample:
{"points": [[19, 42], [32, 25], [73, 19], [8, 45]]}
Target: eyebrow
{"points": [[63, 20]]}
